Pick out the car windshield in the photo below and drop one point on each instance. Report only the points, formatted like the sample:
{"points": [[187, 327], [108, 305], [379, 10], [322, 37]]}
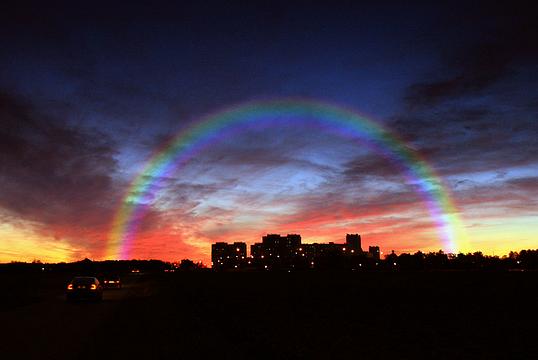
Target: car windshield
{"points": [[83, 281]]}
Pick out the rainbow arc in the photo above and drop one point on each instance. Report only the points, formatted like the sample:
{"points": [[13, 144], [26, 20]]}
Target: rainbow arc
{"points": [[189, 142]]}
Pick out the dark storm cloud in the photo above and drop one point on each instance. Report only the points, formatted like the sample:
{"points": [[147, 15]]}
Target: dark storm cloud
{"points": [[52, 173], [476, 67], [477, 114], [465, 141]]}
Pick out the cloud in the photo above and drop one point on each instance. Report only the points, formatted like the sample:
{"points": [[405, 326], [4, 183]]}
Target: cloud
{"points": [[54, 174], [458, 144], [478, 66], [516, 193], [364, 167], [528, 184]]}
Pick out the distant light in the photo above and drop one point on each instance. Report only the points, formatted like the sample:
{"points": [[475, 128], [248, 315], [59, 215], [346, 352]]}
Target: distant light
{"points": [[235, 266], [266, 266], [352, 250], [394, 264], [360, 264], [237, 249], [343, 249], [381, 252]]}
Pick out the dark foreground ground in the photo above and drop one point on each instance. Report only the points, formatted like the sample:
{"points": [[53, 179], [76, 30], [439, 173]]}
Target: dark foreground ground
{"points": [[431, 315]]}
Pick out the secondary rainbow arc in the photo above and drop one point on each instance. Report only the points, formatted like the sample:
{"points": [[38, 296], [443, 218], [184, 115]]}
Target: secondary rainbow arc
{"points": [[337, 119]]}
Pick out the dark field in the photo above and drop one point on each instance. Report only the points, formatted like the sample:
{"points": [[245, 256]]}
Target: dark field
{"points": [[433, 315]]}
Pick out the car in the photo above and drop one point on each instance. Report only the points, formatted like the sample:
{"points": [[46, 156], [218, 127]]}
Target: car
{"points": [[112, 282], [84, 288]]}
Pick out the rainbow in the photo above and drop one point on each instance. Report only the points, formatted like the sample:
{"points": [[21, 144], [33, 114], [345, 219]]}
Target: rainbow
{"points": [[328, 117]]}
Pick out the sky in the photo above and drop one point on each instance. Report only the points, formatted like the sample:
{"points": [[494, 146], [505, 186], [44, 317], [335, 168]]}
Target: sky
{"points": [[89, 94]]}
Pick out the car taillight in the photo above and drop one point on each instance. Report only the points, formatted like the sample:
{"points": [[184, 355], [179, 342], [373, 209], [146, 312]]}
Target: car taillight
{"points": [[93, 287], [70, 287]]}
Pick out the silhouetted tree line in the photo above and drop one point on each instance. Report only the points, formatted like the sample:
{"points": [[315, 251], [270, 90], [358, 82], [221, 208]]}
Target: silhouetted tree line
{"points": [[523, 260], [189, 265], [97, 268]]}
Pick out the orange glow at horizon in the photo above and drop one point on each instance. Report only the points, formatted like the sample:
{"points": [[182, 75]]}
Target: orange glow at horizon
{"points": [[389, 233]]}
